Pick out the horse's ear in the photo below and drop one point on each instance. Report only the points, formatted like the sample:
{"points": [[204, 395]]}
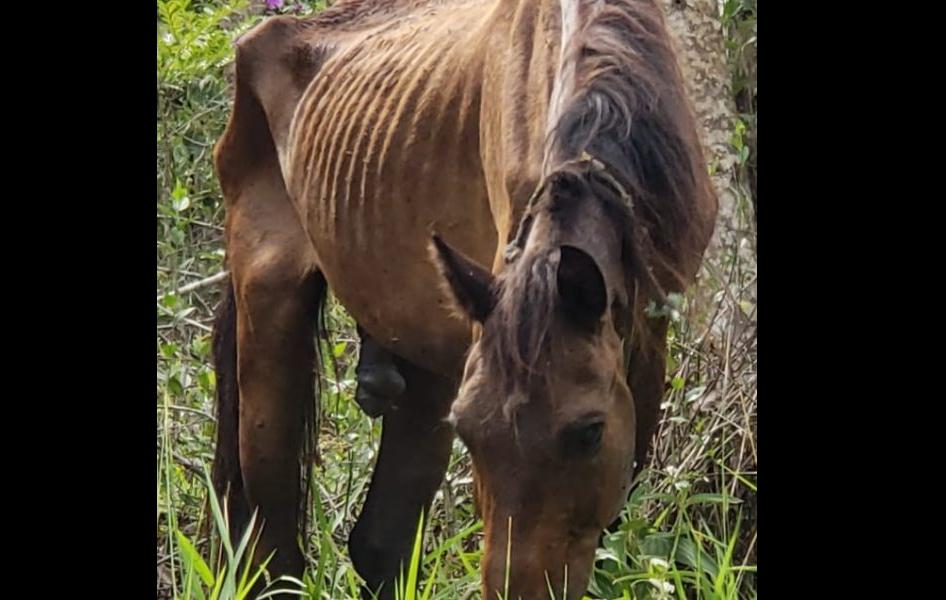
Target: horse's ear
{"points": [[471, 285], [581, 288]]}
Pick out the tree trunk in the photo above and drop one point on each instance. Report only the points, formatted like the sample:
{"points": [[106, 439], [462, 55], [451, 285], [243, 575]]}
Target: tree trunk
{"points": [[698, 38]]}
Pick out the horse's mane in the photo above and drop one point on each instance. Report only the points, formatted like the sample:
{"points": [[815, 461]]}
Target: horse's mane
{"points": [[619, 97]]}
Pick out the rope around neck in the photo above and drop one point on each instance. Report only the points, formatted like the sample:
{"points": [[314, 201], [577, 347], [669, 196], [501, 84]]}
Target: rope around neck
{"points": [[639, 232], [514, 249]]}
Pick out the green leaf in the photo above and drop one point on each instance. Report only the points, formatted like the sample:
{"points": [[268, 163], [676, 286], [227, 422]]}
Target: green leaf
{"points": [[201, 346], [176, 235], [744, 154], [206, 379], [411, 586], [615, 546], [192, 559], [657, 545], [711, 499], [696, 558], [182, 204], [429, 586], [174, 386], [179, 190], [179, 198]]}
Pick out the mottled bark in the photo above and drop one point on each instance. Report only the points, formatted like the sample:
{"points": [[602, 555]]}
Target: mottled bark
{"points": [[698, 38]]}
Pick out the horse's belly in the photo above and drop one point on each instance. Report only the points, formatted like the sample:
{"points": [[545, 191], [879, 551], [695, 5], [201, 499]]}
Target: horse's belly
{"points": [[384, 151], [390, 286]]}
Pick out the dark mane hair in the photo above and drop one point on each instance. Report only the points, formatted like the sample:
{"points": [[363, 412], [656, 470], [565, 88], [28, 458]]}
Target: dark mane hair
{"points": [[629, 109], [626, 106]]}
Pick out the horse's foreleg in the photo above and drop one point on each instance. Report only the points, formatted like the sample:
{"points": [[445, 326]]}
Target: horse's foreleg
{"points": [[415, 450], [646, 378]]}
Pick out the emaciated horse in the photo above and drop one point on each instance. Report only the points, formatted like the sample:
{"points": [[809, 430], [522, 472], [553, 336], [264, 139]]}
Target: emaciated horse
{"points": [[544, 154]]}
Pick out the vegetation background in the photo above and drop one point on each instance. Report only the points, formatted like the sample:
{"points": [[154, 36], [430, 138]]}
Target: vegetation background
{"points": [[688, 531]]}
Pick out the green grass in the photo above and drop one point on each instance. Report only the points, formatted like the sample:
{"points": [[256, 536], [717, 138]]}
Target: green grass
{"points": [[688, 531]]}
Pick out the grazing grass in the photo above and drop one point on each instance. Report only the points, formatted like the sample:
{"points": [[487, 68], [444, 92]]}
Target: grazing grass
{"points": [[687, 531]]}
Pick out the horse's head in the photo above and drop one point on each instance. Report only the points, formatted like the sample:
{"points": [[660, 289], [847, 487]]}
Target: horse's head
{"points": [[545, 411]]}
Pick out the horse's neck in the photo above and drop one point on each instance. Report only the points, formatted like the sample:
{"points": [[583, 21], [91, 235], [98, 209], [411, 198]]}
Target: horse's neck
{"points": [[518, 79]]}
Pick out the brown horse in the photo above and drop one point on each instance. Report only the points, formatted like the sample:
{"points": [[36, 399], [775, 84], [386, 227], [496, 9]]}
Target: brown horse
{"points": [[549, 140]]}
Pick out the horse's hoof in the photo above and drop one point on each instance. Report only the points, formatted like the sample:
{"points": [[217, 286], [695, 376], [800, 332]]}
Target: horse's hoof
{"points": [[382, 381]]}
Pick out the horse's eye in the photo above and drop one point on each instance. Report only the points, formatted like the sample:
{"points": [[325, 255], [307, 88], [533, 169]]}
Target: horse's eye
{"points": [[582, 440]]}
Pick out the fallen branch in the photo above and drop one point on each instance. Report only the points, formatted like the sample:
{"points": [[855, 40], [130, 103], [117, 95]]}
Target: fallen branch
{"points": [[191, 466], [190, 287]]}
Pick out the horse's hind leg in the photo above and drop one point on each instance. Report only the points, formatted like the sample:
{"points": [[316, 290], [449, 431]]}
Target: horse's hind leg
{"points": [[415, 450], [278, 296], [278, 292]]}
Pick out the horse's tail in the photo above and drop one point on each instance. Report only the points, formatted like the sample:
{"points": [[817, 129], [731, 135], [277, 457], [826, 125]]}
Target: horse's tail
{"points": [[310, 411], [226, 476]]}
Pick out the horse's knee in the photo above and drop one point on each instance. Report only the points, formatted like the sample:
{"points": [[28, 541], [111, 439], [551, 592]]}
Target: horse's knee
{"points": [[272, 274]]}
